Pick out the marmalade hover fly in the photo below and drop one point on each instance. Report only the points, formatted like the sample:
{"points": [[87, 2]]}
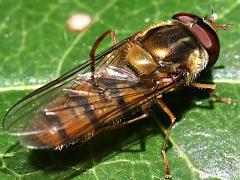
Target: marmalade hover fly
{"points": [[135, 72]]}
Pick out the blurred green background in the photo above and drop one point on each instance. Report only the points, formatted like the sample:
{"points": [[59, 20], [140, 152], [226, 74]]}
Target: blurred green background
{"points": [[36, 47]]}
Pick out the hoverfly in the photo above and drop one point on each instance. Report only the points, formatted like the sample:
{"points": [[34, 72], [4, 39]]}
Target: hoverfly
{"points": [[135, 72]]}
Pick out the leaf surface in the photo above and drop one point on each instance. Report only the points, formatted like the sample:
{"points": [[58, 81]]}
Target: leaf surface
{"points": [[36, 48]]}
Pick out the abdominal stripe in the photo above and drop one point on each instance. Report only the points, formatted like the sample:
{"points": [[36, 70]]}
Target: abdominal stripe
{"points": [[83, 102], [112, 86], [55, 121]]}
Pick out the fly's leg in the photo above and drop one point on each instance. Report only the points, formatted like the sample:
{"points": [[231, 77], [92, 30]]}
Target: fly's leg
{"points": [[127, 122], [145, 114], [212, 88], [96, 44], [172, 118]]}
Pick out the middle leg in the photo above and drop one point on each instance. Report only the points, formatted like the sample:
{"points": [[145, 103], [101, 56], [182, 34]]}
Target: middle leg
{"points": [[173, 119]]}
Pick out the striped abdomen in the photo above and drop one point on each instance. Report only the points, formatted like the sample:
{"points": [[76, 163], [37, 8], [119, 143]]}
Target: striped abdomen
{"points": [[82, 112]]}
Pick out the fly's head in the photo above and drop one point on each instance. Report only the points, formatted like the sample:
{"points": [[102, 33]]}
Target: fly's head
{"points": [[205, 32]]}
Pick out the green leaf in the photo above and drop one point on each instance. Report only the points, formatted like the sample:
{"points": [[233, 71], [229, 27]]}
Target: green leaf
{"points": [[36, 47]]}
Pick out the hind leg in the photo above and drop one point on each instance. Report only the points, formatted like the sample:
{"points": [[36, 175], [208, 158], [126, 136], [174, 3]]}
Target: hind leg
{"points": [[173, 119], [96, 44]]}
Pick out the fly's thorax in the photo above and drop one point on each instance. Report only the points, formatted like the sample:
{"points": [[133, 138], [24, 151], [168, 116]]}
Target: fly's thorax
{"points": [[140, 59], [165, 46]]}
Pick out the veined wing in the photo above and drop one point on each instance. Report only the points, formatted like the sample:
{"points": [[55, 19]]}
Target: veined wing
{"points": [[20, 115]]}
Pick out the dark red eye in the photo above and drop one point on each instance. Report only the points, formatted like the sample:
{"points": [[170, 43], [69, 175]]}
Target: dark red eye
{"points": [[205, 34]]}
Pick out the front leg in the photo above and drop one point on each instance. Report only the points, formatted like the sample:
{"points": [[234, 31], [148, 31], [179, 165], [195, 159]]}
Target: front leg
{"points": [[212, 88]]}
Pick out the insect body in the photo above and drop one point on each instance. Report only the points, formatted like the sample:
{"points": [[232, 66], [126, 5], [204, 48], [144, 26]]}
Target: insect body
{"points": [[95, 96]]}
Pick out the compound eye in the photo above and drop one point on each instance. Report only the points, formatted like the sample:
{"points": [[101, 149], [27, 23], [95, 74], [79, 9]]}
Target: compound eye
{"points": [[186, 18], [204, 33]]}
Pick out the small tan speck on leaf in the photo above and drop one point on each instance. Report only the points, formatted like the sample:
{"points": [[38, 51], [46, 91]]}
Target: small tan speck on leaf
{"points": [[78, 22]]}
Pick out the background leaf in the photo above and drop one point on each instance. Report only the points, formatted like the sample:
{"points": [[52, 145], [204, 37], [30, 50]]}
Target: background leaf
{"points": [[36, 47]]}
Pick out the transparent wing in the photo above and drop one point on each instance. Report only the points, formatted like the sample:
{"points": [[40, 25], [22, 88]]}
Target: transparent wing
{"points": [[18, 117]]}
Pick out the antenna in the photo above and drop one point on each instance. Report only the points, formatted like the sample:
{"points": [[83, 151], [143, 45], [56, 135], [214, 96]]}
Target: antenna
{"points": [[212, 21]]}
